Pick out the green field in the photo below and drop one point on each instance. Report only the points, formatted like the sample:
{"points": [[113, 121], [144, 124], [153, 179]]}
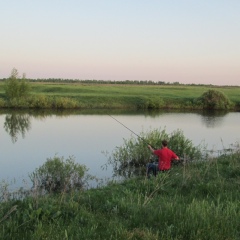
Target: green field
{"points": [[124, 90], [93, 95]]}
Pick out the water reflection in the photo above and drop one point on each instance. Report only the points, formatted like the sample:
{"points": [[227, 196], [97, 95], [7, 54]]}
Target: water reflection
{"points": [[17, 124], [213, 119]]}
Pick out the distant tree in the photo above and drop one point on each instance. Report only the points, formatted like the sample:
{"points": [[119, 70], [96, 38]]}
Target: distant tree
{"points": [[16, 87], [176, 83]]}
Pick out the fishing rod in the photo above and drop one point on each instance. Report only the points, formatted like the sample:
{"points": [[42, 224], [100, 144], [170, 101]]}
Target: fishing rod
{"points": [[130, 130]]}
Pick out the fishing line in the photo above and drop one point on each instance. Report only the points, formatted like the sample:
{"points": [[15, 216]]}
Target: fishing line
{"points": [[130, 130]]}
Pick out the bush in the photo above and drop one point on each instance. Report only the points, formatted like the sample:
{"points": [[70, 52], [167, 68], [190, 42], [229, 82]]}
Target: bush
{"points": [[43, 101], [133, 155], [150, 103], [213, 99], [39, 101], [57, 175], [64, 102]]}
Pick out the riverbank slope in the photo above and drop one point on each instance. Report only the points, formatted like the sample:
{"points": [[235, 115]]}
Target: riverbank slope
{"points": [[115, 96], [192, 201]]}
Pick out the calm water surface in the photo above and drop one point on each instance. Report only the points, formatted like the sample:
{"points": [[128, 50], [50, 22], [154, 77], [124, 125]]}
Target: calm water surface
{"points": [[27, 140]]}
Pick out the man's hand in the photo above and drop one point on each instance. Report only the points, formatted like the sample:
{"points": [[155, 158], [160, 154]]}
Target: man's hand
{"points": [[150, 147]]}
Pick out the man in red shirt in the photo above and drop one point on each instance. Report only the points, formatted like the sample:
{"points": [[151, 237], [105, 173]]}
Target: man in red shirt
{"points": [[165, 156]]}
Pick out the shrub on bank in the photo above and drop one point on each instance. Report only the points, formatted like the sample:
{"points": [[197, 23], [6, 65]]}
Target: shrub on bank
{"points": [[64, 103], [150, 103], [39, 101], [134, 154], [57, 175], [214, 100]]}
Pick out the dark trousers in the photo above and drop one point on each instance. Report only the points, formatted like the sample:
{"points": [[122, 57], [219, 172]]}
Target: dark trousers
{"points": [[152, 169]]}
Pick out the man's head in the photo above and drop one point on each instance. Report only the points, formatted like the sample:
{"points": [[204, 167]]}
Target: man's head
{"points": [[164, 143]]}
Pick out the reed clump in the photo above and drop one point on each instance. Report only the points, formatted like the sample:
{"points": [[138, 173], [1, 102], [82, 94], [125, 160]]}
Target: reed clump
{"points": [[131, 158]]}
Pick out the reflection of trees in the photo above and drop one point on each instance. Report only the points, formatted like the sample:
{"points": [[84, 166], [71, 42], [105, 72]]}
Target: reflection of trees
{"points": [[16, 124], [213, 118]]}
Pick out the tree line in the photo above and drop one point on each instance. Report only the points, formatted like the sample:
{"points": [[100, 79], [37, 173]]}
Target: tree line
{"points": [[94, 81]]}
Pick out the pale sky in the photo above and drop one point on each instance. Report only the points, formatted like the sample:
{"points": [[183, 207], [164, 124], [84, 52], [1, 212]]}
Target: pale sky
{"points": [[186, 41]]}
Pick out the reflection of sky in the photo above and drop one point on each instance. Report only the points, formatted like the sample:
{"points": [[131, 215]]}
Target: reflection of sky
{"points": [[86, 136]]}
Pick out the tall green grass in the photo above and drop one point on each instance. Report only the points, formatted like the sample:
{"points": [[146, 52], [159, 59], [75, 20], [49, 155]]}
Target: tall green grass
{"points": [[197, 200]]}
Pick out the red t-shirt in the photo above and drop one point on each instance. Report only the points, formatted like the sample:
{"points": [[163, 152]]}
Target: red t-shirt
{"points": [[165, 155]]}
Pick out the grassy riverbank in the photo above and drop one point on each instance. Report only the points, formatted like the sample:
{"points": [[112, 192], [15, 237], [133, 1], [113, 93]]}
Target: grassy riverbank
{"points": [[192, 201], [94, 95]]}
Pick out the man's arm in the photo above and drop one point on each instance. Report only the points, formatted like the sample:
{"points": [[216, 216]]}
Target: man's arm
{"points": [[150, 147], [175, 157]]}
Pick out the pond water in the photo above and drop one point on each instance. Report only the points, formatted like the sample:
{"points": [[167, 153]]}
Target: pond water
{"points": [[29, 138]]}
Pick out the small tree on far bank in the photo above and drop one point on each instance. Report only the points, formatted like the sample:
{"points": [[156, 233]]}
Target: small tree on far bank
{"points": [[16, 87], [215, 100]]}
